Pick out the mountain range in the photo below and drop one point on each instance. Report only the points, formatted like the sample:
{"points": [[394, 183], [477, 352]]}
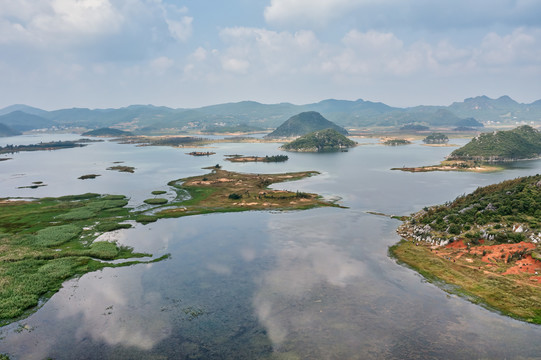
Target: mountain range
{"points": [[472, 112]]}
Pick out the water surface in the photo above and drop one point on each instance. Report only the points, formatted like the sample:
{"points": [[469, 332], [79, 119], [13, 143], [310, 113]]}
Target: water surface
{"points": [[294, 284]]}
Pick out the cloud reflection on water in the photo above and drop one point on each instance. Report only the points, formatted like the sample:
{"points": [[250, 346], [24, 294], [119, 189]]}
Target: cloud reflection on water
{"points": [[295, 293]]}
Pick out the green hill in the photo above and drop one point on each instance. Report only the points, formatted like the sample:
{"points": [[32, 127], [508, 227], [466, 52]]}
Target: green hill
{"points": [[521, 143], [304, 123], [21, 121], [511, 201], [107, 132], [319, 141], [7, 131]]}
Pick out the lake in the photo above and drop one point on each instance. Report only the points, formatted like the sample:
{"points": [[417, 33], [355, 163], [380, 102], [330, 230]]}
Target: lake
{"points": [[313, 284]]}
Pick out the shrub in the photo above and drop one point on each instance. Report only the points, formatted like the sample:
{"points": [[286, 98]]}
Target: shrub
{"points": [[235, 196]]}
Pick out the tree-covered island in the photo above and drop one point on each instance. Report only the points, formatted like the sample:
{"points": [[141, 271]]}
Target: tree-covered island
{"points": [[521, 143], [320, 141], [486, 149], [487, 244]]}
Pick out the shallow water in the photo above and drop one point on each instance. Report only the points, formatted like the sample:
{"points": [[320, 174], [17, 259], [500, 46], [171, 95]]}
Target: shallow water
{"points": [[297, 284]]}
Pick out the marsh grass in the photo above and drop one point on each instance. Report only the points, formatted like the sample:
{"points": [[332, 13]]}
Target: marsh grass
{"points": [[156, 201], [46, 241]]}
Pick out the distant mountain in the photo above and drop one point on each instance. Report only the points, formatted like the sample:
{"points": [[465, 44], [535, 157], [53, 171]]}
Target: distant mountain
{"points": [[471, 112], [7, 131], [107, 132], [305, 123], [24, 108], [319, 141], [21, 121], [428, 116], [520, 143], [503, 110]]}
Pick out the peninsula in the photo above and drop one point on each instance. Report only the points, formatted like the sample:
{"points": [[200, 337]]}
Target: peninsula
{"points": [[487, 244]]}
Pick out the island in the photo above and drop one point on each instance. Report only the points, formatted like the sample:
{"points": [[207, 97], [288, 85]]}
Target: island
{"points": [[484, 151], [53, 145], [302, 124], [436, 138], [201, 153], [45, 241], [487, 244], [521, 143], [266, 158], [320, 141], [396, 142]]}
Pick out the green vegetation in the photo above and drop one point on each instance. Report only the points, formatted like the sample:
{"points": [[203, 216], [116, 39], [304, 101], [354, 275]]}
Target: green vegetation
{"points": [[436, 138], [107, 132], [122, 168], [266, 158], [319, 141], [486, 243], [159, 192], [521, 143], [156, 201], [54, 145], [396, 142], [89, 176], [512, 201], [305, 123], [46, 241], [225, 191]]}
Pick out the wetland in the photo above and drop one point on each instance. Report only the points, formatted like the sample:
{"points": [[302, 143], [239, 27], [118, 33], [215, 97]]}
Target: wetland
{"points": [[283, 283]]}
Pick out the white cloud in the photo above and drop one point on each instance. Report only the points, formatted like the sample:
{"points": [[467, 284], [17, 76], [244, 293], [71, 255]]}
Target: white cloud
{"points": [[76, 24], [235, 65], [161, 64], [303, 12], [521, 47]]}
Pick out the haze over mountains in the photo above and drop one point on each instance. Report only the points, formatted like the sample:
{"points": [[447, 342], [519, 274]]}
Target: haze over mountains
{"points": [[350, 114]]}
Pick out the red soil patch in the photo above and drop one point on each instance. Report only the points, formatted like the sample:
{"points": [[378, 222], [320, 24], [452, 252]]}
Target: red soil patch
{"points": [[527, 265], [459, 244], [498, 253]]}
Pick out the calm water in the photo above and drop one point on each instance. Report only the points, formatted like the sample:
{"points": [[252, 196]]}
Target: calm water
{"points": [[314, 284]]}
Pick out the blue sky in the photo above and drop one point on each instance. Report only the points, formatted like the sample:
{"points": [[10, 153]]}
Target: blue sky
{"points": [[189, 53]]}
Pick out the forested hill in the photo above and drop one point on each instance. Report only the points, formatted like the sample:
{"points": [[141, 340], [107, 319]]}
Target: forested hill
{"points": [[504, 204], [319, 141], [304, 123], [521, 143]]}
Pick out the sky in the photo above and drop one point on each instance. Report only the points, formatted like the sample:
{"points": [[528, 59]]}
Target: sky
{"points": [[190, 53]]}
